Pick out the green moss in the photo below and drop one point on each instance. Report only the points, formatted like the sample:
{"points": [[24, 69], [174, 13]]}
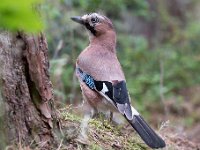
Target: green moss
{"points": [[102, 134], [108, 136], [70, 116], [94, 146]]}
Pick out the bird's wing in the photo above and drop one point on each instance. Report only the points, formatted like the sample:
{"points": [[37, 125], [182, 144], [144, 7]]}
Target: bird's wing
{"points": [[117, 94]]}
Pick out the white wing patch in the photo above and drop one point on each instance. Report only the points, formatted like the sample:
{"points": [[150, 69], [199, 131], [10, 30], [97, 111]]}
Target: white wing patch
{"points": [[105, 89], [134, 111], [127, 110]]}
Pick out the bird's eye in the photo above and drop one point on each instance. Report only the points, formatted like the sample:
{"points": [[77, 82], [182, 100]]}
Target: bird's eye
{"points": [[94, 20]]}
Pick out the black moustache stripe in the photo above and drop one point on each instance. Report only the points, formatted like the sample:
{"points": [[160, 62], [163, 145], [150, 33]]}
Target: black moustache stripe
{"points": [[87, 25]]}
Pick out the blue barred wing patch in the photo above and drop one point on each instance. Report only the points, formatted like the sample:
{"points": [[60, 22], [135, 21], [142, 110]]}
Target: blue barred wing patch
{"points": [[89, 81], [86, 78]]}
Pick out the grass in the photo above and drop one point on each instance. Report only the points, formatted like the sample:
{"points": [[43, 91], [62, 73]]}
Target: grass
{"points": [[102, 134]]}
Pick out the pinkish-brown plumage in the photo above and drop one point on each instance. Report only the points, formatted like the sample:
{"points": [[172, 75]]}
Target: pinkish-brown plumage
{"points": [[107, 89], [99, 60]]}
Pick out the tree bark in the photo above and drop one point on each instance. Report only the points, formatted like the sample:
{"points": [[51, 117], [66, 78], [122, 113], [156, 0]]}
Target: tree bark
{"points": [[26, 91]]}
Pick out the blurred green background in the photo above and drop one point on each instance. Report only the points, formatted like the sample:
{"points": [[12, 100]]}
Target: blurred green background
{"points": [[158, 45]]}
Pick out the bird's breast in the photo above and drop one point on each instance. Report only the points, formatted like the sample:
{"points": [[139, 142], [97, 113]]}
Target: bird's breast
{"points": [[102, 66]]}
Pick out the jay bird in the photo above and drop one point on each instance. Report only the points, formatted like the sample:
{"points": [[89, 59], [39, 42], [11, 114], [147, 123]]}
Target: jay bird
{"points": [[102, 80]]}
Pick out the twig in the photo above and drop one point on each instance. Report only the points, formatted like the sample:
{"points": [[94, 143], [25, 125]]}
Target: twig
{"points": [[60, 145], [161, 88]]}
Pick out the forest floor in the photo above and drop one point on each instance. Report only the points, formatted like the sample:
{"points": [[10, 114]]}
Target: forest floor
{"points": [[181, 130], [103, 134]]}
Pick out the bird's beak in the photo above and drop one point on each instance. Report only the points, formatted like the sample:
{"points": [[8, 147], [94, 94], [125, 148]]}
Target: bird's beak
{"points": [[77, 19]]}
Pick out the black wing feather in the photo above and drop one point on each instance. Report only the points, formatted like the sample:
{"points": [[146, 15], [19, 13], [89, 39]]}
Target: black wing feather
{"points": [[99, 87], [121, 93]]}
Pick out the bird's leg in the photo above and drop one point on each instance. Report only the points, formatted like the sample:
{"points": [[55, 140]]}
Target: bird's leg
{"points": [[95, 113], [98, 115], [83, 135], [111, 116]]}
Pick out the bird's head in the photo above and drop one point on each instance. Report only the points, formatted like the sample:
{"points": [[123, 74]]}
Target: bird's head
{"points": [[95, 23]]}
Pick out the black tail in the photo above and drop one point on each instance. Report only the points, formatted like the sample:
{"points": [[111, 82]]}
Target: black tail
{"points": [[146, 133]]}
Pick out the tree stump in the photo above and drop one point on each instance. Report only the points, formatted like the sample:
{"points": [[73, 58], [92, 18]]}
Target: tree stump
{"points": [[26, 91]]}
